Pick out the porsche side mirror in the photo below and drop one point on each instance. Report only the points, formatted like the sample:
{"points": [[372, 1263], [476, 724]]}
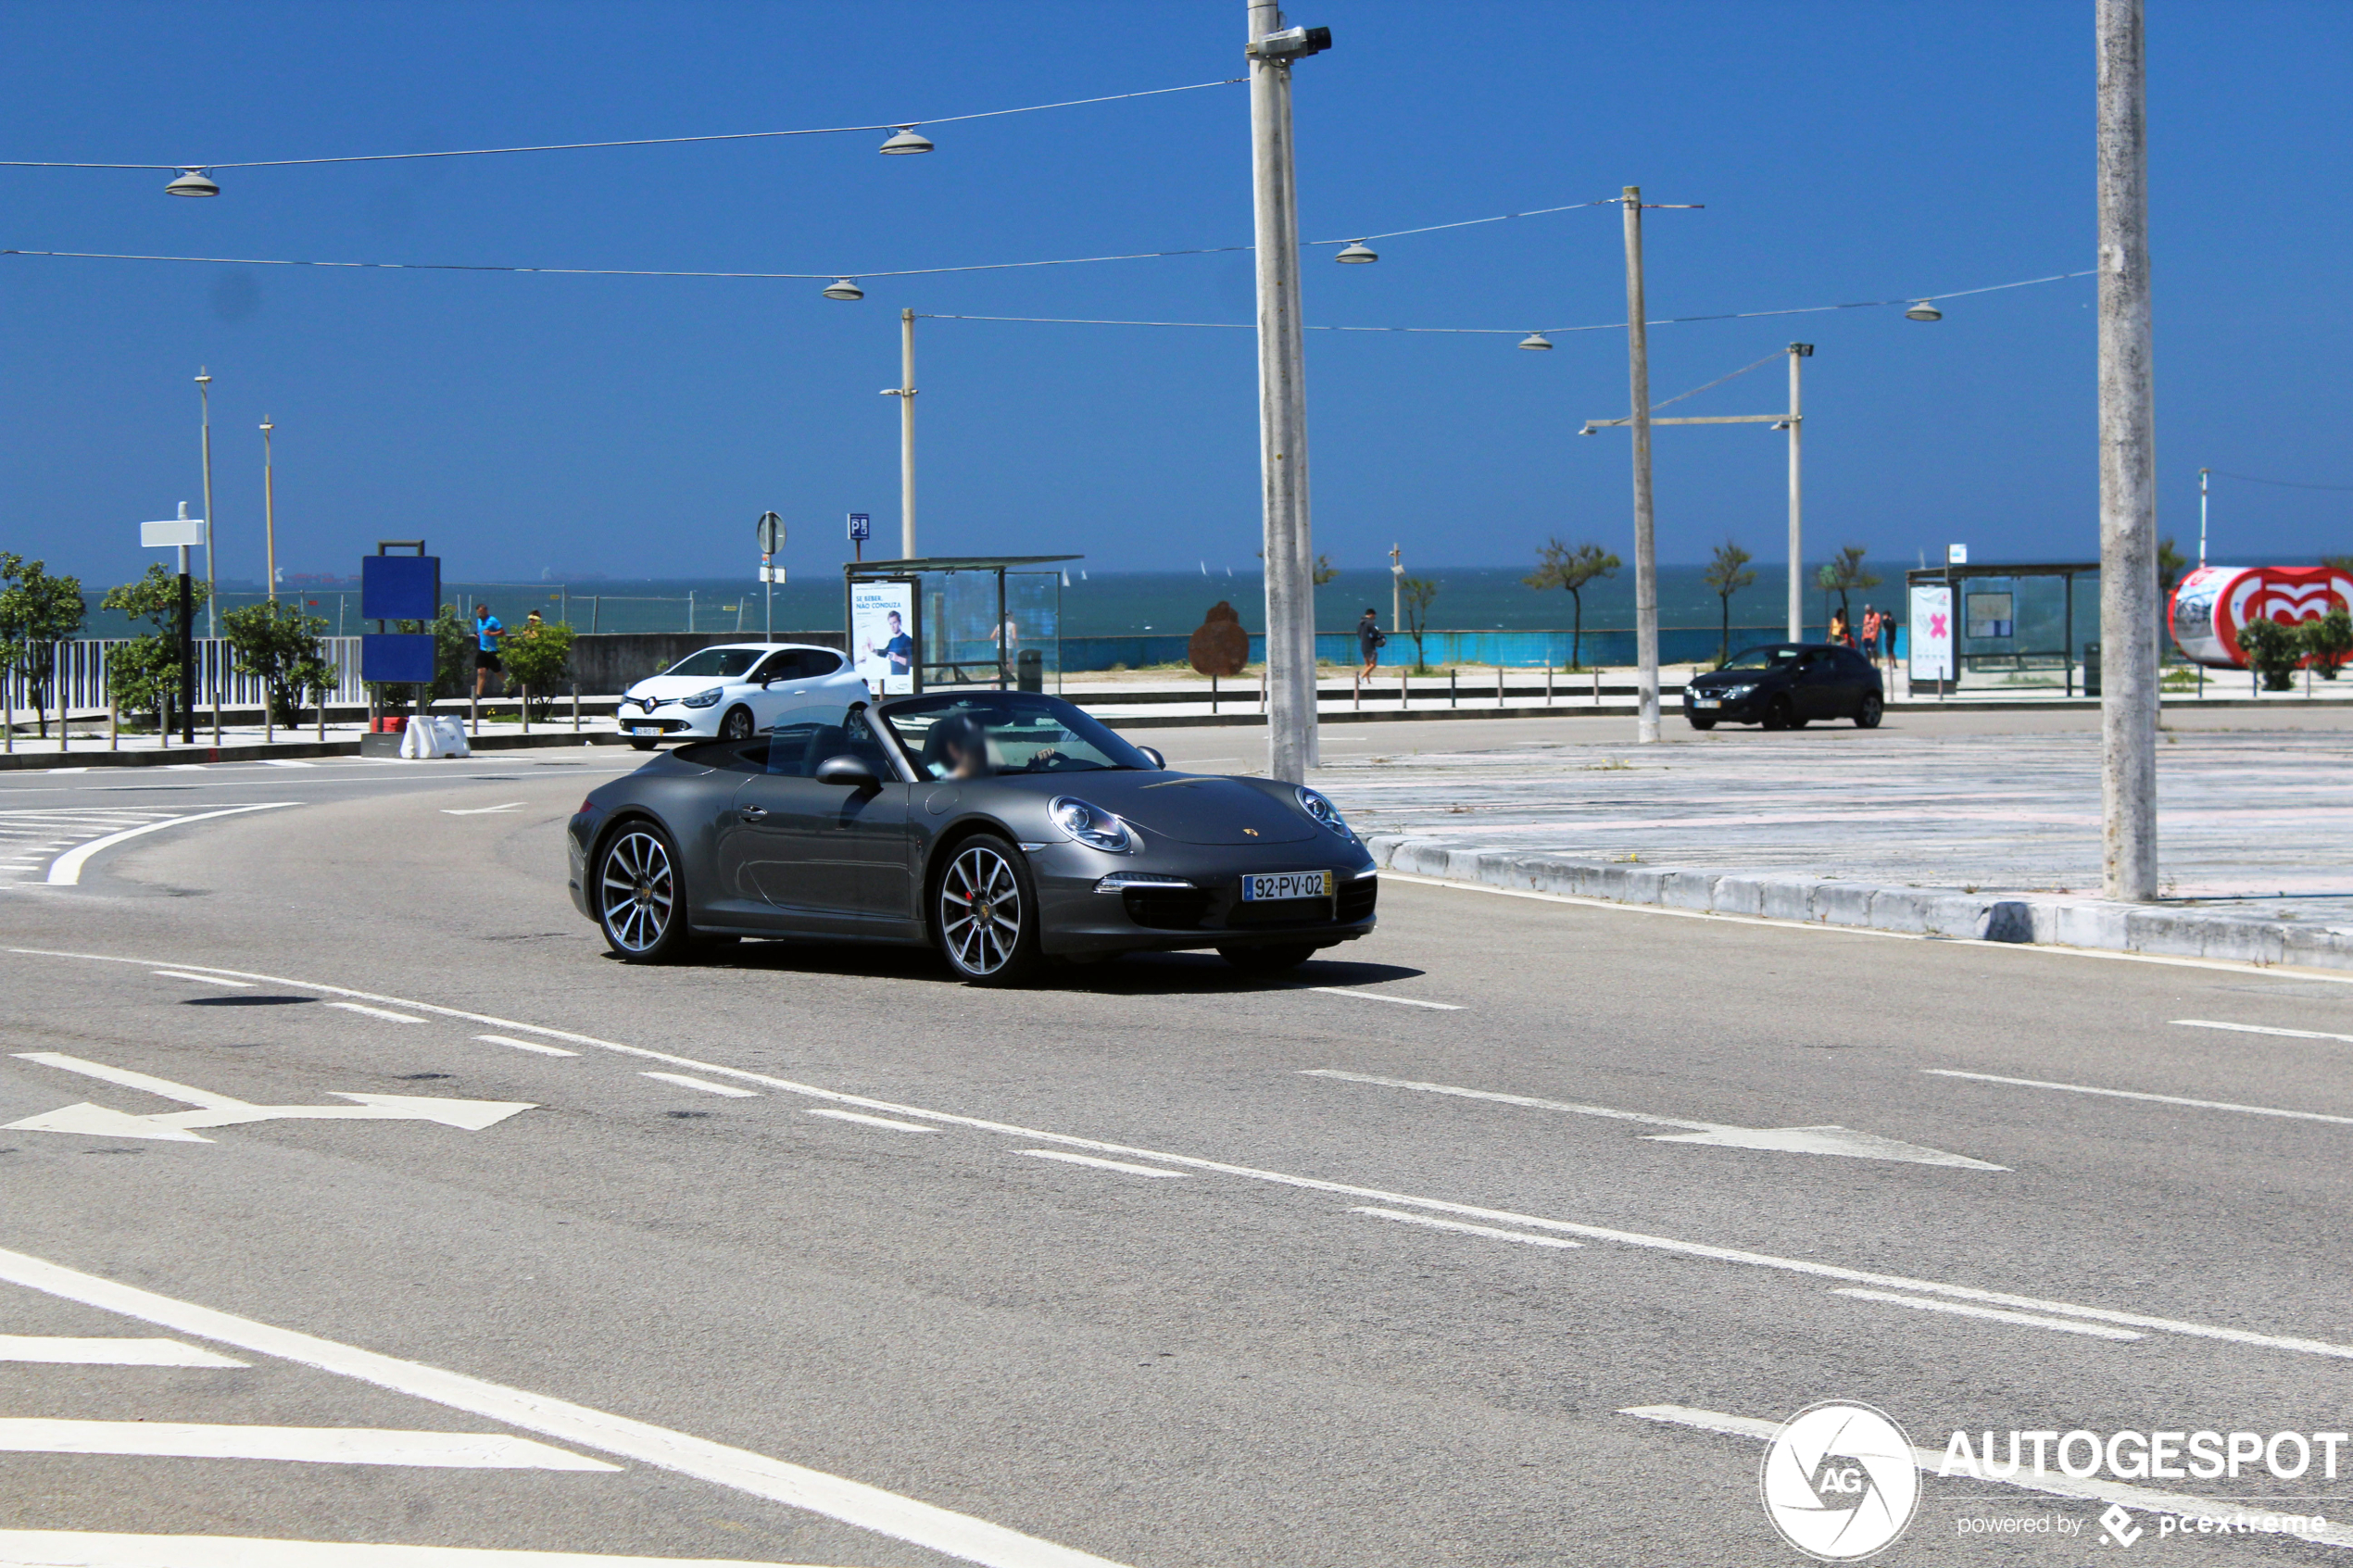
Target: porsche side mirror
{"points": [[851, 772], [1158, 760]]}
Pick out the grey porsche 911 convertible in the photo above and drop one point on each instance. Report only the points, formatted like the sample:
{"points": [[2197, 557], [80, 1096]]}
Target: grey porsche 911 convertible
{"points": [[1004, 828]]}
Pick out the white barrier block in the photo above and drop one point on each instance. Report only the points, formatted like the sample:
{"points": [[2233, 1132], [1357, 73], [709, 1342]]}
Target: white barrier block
{"points": [[433, 737]]}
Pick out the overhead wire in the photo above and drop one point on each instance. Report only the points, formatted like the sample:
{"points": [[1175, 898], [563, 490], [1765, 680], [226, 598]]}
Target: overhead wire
{"points": [[2284, 483], [642, 141]]}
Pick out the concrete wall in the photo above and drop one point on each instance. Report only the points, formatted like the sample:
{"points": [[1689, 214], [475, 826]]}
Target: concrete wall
{"points": [[608, 663]]}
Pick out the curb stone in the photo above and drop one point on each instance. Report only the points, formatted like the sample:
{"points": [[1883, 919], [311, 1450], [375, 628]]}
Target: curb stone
{"points": [[2027, 918]]}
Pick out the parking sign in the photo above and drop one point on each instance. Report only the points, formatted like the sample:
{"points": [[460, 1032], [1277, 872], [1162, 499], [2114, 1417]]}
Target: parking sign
{"points": [[861, 527]]}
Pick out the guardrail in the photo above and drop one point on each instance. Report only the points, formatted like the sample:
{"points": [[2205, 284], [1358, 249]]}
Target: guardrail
{"points": [[78, 678]]}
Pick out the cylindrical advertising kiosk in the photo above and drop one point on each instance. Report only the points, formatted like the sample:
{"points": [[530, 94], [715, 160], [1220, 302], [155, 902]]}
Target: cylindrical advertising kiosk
{"points": [[2213, 602]]}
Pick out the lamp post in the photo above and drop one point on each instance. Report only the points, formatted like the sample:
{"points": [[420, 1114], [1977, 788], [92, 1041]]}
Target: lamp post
{"points": [[1282, 394], [1396, 590], [905, 393], [269, 512], [1645, 540]]}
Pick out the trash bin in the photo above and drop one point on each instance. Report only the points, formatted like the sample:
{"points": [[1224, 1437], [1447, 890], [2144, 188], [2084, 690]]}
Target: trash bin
{"points": [[1029, 671], [2091, 669]]}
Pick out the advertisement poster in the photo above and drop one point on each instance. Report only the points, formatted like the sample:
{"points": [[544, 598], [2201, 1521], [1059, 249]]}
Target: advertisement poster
{"points": [[882, 635], [1932, 632]]}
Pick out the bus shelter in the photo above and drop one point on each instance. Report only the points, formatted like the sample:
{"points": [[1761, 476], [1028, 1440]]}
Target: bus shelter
{"points": [[956, 620], [2005, 625]]}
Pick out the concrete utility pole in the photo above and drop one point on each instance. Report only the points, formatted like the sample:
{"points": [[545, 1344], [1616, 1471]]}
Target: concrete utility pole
{"points": [[1638, 357], [1282, 396], [2128, 465], [1396, 589], [203, 393], [905, 393], [269, 512], [1798, 354]]}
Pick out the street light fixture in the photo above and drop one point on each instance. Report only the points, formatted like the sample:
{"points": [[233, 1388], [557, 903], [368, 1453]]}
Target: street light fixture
{"points": [[1925, 312], [1536, 340], [192, 183], [843, 288], [1358, 252], [907, 140]]}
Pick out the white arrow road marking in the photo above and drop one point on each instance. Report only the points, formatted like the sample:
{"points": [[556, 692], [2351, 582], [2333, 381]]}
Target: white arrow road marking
{"points": [[76, 1549], [302, 1445], [1841, 1141], [1962, 1308], [2135, 1094], [852, 1502], [1932, 1463], [105, 1352], [222, 1110], [482, 811], [65, 870]]}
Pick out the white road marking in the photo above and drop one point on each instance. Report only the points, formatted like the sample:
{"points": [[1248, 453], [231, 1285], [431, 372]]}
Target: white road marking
{"points": [[2261, 1029], [183, 767], [869, 1121], [76, 1549], [301, 1445], [2233, 966], [1120, 1165], [1671, 1245], [1436, 1223], [385, 1013], [224, 1111], [525, 1044], [1962, 1308], [1841, 1141], [482, 811], [685, 1082], [2134, 1094], [107, 1352], [852, 1502], [1379, 996], [65, 870], [202, 979], [286, 762], [1931, 1461]]}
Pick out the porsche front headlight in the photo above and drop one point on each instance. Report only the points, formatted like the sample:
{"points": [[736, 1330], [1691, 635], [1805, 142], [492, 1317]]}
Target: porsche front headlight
{"points": [[1323, 811], [1091, 825]]}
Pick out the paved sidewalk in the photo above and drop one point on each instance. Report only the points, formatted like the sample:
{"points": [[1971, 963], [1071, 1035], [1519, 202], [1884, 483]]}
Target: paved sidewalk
{"points": [[2253, 829]]}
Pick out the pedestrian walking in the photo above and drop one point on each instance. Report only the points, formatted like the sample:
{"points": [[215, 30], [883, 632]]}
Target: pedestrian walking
{"points": [[1839, 632], [1370, 640], [1870, 648], [489, 631]]}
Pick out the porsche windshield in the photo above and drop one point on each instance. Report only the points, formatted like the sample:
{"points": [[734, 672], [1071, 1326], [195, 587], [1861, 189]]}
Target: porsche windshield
{"points": [[723, 664], [986, 734]]}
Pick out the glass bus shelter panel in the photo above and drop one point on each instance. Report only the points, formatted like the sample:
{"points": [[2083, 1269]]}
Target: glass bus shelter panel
{"points": [[2017, 630], [960, 617], [1033, 611]]}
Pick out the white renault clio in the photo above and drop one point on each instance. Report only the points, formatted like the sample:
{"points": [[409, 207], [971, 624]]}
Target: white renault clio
{"points": [[733, 691]]}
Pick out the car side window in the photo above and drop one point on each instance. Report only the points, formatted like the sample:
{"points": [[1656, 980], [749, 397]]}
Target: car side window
{"points": [[778, 666], [731, 755], [819, 662]]}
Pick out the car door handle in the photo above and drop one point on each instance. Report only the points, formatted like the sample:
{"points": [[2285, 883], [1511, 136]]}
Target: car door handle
{"points": [[752, 813]]}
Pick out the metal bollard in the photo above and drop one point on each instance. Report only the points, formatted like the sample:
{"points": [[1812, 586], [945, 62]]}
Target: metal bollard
{"points": [[1451, 673]]}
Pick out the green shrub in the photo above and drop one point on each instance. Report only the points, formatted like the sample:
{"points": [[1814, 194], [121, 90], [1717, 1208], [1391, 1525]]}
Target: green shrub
{"points": [[2328, 641], [537, 658], [2272, 652], [278, 645]]}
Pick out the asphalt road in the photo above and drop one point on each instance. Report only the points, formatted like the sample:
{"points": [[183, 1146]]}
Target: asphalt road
{"points": [[803, 1255]]}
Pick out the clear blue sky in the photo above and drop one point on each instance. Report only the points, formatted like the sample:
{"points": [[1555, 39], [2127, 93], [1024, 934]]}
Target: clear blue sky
{"points": [[636, 427]]}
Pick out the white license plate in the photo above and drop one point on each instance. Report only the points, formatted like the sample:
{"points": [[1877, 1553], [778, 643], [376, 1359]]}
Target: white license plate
{"points": [[1272, 885], [643, 729], [1707, 702]]}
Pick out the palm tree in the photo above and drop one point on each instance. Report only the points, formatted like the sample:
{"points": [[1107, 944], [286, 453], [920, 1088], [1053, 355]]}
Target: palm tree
{"points": [[1557, 566], [1842, 573], [1728, 572]]}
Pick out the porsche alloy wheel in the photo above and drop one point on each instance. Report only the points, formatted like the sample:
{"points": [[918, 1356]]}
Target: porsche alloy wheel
{"points": [[987, 917], [637, 896]]}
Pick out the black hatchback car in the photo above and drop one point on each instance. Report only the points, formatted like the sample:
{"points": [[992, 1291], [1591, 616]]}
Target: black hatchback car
{"points": [[1786, 686]]}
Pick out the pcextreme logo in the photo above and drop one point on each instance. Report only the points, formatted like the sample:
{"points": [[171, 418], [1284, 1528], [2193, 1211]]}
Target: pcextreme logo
{"points": [[1839, 1481]]}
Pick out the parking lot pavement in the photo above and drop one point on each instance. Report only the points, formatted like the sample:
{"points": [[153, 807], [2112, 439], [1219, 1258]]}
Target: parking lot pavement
{"points": [[1489, 1238]]}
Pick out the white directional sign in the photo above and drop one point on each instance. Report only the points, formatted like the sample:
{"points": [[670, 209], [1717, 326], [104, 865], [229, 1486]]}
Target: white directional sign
{"points": [[221, 1111]]}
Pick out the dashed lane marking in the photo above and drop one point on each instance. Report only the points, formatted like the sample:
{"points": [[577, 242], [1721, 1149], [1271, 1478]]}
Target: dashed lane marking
{"points": [[1993, 1314], [706, 1086], [77, 1548], [385, 1014], [869, 1121], [482, 811], [525, 1044], [2259, 1029], [61, 1351], [1120, 1165], [1436, 1223], [300, 1445], [2135, 1094], [1384, 996], [756, 1475]]}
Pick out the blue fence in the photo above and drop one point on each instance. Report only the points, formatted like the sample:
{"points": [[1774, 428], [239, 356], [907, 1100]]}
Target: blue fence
{"points": [[1532, 650]]}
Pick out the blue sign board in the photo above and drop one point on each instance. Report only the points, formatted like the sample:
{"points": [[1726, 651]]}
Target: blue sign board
{"points": [[861, 527], [399, 588], [404, 657]]}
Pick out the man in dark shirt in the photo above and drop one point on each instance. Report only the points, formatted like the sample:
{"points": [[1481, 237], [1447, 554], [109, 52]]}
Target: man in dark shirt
{"points": [[1369, 638]]}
